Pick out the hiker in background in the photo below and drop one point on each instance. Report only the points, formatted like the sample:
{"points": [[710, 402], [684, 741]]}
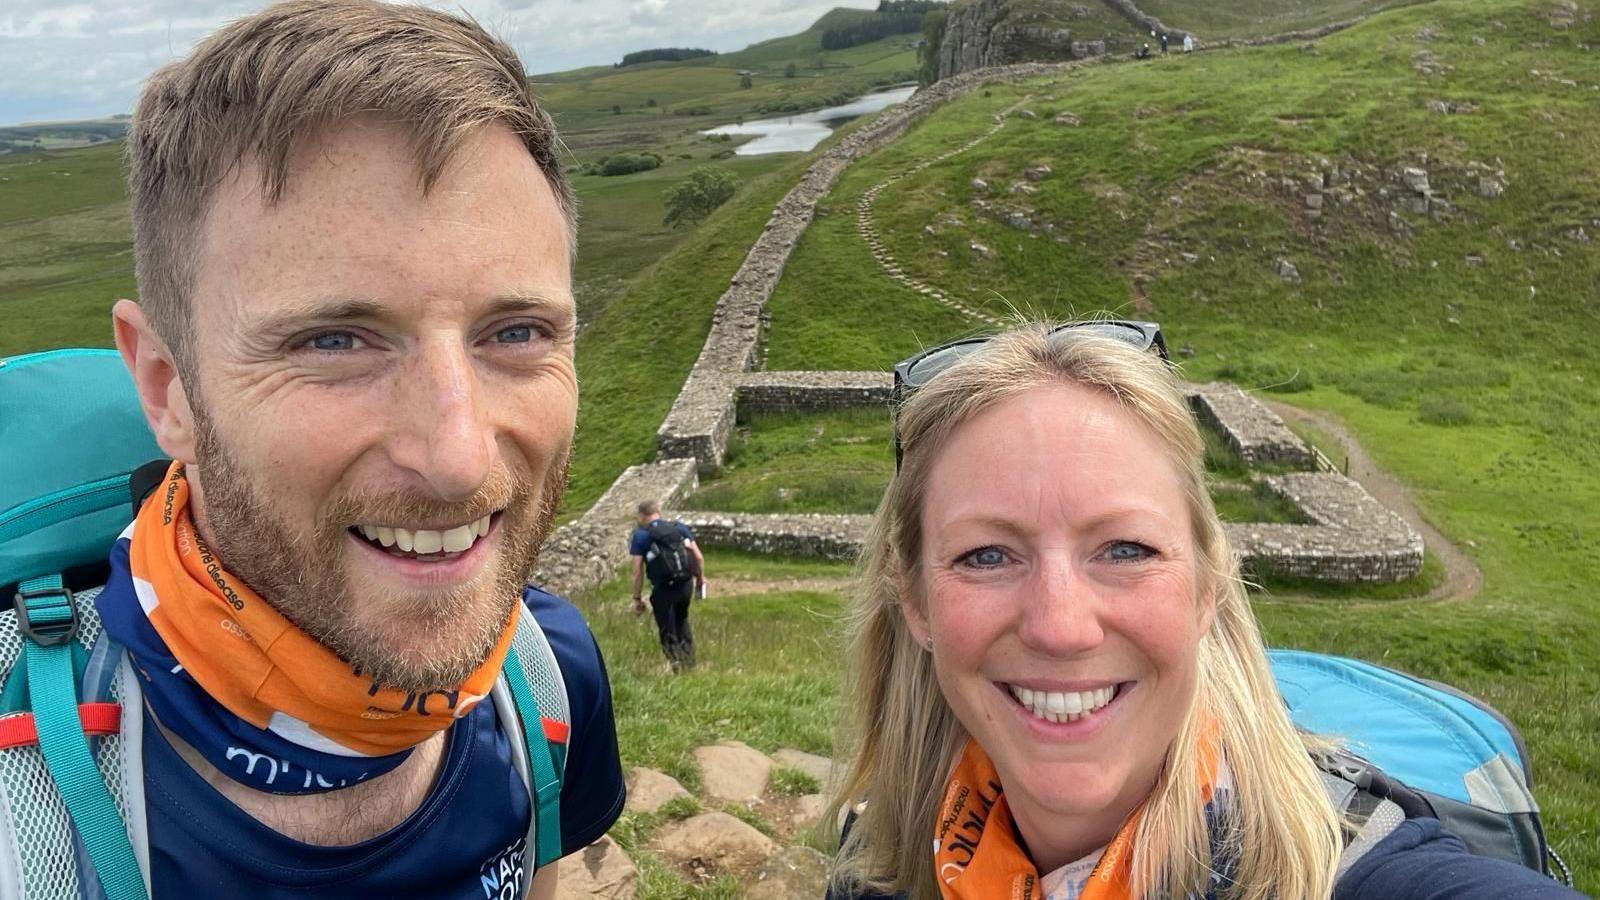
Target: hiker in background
{"points": [[1164, 39], [1143, 52], [666, 552], [353, 342], [1188, 43], [1058, 687]]}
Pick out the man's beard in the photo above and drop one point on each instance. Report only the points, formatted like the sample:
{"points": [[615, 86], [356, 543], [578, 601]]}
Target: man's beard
{"points": [[427, 639]]}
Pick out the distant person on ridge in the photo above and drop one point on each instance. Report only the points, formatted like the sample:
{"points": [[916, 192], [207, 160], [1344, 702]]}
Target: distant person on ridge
{"points": [[1164, 43], [665, 550], [1188, 43]]}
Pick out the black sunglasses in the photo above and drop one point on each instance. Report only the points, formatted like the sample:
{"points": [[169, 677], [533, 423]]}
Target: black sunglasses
{"points": [[916, 371]]}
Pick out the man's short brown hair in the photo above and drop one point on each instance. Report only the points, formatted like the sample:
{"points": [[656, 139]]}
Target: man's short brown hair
{"points": [[263, 86]]}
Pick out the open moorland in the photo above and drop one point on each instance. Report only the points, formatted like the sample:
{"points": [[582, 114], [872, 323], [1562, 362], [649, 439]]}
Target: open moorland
{"points": [[1389, 232]]}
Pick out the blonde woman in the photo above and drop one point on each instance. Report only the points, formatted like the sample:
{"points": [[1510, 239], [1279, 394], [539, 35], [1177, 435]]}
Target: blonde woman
{"points": [[1060, 690]]}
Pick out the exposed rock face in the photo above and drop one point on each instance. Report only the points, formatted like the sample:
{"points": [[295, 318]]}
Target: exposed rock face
{"points": [[715, 842], [979, 35]]}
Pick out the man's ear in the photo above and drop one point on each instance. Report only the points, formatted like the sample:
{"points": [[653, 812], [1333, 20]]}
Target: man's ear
{"points": [[155, 375]]}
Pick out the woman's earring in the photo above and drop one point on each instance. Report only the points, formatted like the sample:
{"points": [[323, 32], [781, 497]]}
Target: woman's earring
{"points": [[929, 644]]}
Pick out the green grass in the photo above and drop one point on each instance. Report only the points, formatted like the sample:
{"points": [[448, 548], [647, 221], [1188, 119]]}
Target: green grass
{"points": [[1214, 20], [1255, 503], [1476, 392], [836, 462]]}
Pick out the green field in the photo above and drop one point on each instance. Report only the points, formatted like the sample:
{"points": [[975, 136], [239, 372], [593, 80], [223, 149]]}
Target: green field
{"points": [[1422, 335], [1459, 350]]}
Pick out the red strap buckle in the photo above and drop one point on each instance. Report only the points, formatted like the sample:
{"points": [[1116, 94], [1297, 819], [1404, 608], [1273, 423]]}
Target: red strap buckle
{"points": [[99, 719]]}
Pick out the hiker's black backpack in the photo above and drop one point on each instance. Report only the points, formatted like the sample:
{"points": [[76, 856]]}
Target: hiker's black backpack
{"points": [[668, 560]]}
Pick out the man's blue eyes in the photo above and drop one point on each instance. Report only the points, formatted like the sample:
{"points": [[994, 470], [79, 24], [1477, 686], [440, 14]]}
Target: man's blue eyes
{"points": [[334, 340]]}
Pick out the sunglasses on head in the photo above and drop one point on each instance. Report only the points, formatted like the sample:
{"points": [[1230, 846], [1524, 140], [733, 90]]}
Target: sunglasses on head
{"points": [[916, 371]]}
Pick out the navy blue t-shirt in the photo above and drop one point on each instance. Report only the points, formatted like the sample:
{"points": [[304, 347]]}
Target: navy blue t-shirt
{"points": [[465, 841], [639, 544]]}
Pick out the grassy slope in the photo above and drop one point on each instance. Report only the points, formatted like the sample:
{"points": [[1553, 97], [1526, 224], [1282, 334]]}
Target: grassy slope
{"points": [[1381, 329], [1250, 18]]}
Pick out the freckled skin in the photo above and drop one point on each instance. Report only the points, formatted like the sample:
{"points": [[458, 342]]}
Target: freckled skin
{"points": [[428, 402], [1086, 576]]}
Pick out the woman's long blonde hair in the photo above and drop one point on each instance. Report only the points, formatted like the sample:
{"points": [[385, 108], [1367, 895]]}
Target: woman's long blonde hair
{"points": [[1283, 834]]}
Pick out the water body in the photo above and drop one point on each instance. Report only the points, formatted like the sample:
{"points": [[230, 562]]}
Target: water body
{"points": [[800, 132]]}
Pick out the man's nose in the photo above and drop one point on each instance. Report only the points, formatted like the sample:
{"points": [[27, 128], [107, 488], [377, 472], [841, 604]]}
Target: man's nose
{"points": [[1061, 617], [446, 436]]}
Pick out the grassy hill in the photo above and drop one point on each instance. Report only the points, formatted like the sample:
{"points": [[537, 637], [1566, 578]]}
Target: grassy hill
{"points": [[1456, 343]]}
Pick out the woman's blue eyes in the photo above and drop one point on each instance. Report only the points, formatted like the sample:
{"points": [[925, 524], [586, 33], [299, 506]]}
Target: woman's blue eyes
{"points": [[1117, 552], [985, 558], [1127, 551]]}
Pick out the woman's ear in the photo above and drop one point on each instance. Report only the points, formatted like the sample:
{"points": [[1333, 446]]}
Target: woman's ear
{"points": [[916, 622]]}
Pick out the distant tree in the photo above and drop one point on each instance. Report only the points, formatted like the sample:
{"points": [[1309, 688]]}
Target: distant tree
{"points": [[695, 197], [928, 54], [791, 70], [744, 80], [616, 109], [626, 163], [660, 54], [651, 102]]}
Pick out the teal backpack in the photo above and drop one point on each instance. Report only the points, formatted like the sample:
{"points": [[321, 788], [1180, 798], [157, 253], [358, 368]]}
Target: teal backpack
{"points": [[73, 442]]}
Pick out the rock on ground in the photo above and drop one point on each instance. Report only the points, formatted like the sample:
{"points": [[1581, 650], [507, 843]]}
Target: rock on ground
{"points": [[793, 872], [601, 870], [733, 771], [649, 790], [819, 767], [715, 840]]}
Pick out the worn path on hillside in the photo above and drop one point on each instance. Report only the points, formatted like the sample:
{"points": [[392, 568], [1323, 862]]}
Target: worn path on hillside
{"points": [[1462, 577]]}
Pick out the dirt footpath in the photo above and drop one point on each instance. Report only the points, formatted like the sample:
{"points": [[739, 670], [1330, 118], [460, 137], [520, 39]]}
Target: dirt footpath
{"points": [[1462, 577]]}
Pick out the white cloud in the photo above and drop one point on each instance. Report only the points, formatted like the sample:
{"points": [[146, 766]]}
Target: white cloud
{"points": [[75, 59]]}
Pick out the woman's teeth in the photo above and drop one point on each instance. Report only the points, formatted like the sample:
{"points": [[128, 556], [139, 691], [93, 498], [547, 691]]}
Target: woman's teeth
{"points": [[424, 541], [1062, 706]]}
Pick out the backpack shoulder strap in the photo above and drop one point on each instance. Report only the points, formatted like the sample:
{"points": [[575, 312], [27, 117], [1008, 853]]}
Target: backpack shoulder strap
{"points": [[1370, 805], [531, 694], [51, 779]]}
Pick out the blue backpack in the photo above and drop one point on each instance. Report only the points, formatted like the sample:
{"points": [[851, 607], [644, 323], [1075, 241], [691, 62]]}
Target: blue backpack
{"points": [[75, 462], [1416, 748]]}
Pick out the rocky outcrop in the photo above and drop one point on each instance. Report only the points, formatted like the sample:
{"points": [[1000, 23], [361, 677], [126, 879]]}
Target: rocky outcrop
{"points": [[983, 34]]}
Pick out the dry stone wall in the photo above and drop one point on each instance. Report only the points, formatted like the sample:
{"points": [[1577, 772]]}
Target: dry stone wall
{"points": [[1355, 539], [588, 552], [1254, 432], [812, 391], [701, 417]]}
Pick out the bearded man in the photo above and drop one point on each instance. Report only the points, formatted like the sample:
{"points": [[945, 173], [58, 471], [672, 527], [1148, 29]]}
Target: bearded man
{"points": [[353, 243]]}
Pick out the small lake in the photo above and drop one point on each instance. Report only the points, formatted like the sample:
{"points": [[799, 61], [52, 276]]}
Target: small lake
{"points": [[800, 132]]}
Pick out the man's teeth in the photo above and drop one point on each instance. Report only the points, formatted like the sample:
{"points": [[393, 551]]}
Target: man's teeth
{"points": [[1062, 706], [425, 540]]}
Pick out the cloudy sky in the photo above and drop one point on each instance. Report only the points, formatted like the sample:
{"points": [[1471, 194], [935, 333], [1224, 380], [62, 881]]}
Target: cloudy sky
{"points": [[74, 60]]}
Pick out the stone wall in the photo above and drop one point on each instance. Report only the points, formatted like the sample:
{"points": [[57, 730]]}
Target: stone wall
{"points": [[1248, 427], [812, 391], [701, 417], [582, 554], [804, 534], [1355, 538]]}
